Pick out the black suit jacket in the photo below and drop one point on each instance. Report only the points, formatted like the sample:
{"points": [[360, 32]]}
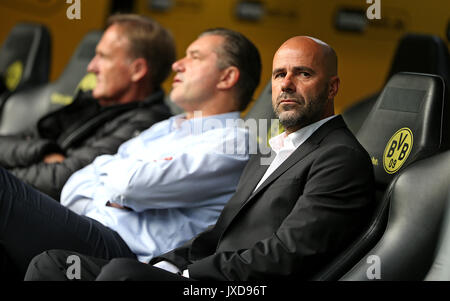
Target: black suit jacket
{"points": [[303, 215]]}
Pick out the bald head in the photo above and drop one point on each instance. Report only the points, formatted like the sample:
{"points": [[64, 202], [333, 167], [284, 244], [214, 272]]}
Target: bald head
{"points": [[304, 82], [324, 52]]}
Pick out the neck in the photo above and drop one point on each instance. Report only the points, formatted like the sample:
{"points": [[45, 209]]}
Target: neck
{"points": [[215, 106]]}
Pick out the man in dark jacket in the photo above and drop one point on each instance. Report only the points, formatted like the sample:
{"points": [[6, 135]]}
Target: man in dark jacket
{"points": [[285, 221], [132, 59]]}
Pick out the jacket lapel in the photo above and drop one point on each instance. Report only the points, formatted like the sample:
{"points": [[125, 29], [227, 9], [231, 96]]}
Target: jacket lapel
{"points": [[301, 152], [207, 240], [252, 177]]}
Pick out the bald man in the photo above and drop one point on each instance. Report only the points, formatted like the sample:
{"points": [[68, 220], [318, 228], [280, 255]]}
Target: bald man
{"points": [[304, 82], [286, 220]]}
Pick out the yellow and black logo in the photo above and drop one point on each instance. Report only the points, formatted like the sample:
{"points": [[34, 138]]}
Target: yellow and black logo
{"points": [[88, 82], [397, 150], [13, 75]]}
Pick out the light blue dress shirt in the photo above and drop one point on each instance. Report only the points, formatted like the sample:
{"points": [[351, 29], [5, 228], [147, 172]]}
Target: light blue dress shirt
{"points": [[176, 177]]}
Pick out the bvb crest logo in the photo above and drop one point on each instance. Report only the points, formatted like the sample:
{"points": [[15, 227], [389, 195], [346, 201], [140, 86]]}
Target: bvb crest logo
{"points": [[397, 150], [13, 75]]}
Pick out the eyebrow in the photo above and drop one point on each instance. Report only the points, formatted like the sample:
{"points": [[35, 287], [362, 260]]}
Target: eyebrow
{"points": [[294, 69], [192, 52], [100, 52]]}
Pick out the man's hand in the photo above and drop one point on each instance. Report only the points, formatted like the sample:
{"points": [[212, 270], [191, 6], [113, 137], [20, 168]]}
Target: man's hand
{"points": [[54, 158], [115, 205]]}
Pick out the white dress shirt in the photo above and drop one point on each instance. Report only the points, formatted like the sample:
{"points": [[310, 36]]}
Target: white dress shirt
{"points": [[284, 145]]}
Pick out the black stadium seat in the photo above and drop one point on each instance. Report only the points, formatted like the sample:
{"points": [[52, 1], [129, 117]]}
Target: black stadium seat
{"points": [[404, 126], [266, 124], [440, 269], [262, 107], [24, 58], [22, 110], [418, 198], [410, 101], [415, 53], [3, 87]]}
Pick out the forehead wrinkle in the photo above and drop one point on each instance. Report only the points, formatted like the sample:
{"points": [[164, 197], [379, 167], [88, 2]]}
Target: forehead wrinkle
{"points": [[319, 51], [295, 58]]}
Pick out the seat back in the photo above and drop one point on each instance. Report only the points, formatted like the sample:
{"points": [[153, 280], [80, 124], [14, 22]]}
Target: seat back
{"points": [[3, 87], [262, 122], [418, 198], [24, 58], [262, 107], [440, 269], [418, 53], [404, 126], [22, 110]]}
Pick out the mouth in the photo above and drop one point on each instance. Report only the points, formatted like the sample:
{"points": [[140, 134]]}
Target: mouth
{"points": [[289, 101], [176, 81]]}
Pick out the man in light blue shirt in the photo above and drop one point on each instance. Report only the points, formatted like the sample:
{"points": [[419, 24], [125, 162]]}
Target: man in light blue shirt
{"points": [[175, 182], [162, 187]]}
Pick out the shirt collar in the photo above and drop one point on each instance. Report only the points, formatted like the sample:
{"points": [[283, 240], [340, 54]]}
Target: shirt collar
{"points": [[295, 139]]}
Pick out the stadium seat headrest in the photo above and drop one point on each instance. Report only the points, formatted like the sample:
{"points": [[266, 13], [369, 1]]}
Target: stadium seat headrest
{"points": [[405, 123], [25, 56], [421, 53]]}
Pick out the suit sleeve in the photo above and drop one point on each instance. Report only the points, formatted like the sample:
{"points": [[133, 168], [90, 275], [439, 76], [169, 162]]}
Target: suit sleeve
{"points": [[180, 256], [327, 216], [18, 151], [50, 178]]}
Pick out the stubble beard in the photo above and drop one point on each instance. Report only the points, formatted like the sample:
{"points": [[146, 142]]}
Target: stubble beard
{"points": [[296, 116]]}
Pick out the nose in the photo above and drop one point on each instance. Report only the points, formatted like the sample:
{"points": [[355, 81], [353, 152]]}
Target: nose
{"points": [[287, 85], [92, 66], [178, 66]]}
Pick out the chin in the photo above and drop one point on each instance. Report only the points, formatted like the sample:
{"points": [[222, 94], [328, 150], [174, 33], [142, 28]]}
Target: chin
{"points": [[98, 94], [287, 115], [290, 119], [174, 98], [95, 93]]}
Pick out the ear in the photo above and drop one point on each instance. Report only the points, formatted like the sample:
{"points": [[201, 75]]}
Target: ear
{"points": [[228, 78], [333, 87], [139, 69]]}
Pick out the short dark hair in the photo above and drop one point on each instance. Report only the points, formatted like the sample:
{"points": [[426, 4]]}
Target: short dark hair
{"points": [[240, 52], [149, 40]]}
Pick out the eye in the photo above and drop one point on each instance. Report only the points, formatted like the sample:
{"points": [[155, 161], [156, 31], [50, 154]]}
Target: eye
{"points": [[279, 75], [195, 55], [305, 74], [101, 55]]}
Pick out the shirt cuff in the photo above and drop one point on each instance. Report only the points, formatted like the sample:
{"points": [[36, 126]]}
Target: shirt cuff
{"points": [[170, 267]]}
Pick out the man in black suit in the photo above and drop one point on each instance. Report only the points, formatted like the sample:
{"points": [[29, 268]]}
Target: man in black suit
{"points": [[286, 220]]}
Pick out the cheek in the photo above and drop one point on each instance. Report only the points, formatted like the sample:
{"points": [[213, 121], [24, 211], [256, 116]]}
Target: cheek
{"points": [[277, 88], [115, 82], [307, 91], [119, 74]]}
